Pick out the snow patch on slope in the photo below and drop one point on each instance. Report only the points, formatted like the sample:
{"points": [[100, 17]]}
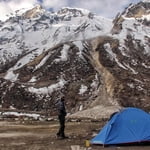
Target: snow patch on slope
{"points": [[112, 55], [134, 28], [64, 54], [11, 76], [47, 90], [82, 89], [17, 114], [80, 47]]}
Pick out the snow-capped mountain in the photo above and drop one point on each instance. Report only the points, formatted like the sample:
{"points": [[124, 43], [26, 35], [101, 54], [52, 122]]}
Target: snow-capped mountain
{"points": [[125, 55], [73, 52], [38, 30], [42, 52]]}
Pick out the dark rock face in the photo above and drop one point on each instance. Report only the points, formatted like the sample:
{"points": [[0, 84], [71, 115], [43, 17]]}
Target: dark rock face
{"points": [[138, 10], [72, 73], [130, 88], [14, 95]]}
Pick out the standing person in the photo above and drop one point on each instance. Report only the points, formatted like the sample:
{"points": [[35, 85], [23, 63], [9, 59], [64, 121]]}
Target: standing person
{"points": [[61, 117]]}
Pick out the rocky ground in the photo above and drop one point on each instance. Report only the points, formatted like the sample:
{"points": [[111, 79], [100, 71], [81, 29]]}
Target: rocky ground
{"points": [[33, 135]]}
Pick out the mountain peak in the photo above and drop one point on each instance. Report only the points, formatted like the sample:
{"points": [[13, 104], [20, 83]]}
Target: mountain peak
{"points": [[138, 10], [33, 12], [74, 12]]}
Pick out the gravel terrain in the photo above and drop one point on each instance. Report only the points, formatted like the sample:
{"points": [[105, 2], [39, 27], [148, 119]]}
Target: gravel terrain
{"points": [[33, 135]]}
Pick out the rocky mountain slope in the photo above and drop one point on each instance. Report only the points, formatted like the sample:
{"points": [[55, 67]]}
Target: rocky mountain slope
{"points": [[89, 59]]}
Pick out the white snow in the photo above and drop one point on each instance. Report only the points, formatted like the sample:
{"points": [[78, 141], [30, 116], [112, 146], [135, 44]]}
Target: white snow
{"points": [[95, 82], [26, 59], [23, 61], [81, 108], [33, 79], [80, 46], [112, 55], [29, 36], [36, 116], [138, 81], [47, 90], [11, 76], [84, 11], [133, 27], [140, 88], [147, 17], [144, 65], [11, 107], [82, 89], [131, 85], [123, 50], [43, 61], [64, 54], [128, 66]]}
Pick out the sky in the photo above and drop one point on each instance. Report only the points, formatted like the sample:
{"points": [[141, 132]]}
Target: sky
{"points": [[105, 8]]}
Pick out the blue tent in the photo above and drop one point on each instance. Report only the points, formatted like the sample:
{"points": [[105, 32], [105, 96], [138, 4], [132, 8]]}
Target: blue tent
{"points": [[130, 125]]}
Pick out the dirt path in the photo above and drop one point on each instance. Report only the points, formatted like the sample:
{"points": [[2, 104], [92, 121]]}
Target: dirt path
{"points": [[41, 136]]}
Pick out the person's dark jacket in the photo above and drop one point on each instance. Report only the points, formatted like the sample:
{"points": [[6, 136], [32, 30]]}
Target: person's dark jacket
{"points": [[61, 108]]}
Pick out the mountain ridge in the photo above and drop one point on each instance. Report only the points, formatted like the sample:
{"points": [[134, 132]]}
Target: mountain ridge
{"points": [[88, 59]]}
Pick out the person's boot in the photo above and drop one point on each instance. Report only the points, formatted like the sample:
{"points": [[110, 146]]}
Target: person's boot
{"points": [[58, 135], [65, 137]]}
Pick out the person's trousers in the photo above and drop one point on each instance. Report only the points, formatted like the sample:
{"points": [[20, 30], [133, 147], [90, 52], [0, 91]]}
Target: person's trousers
{"points": [[62, 126]]}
